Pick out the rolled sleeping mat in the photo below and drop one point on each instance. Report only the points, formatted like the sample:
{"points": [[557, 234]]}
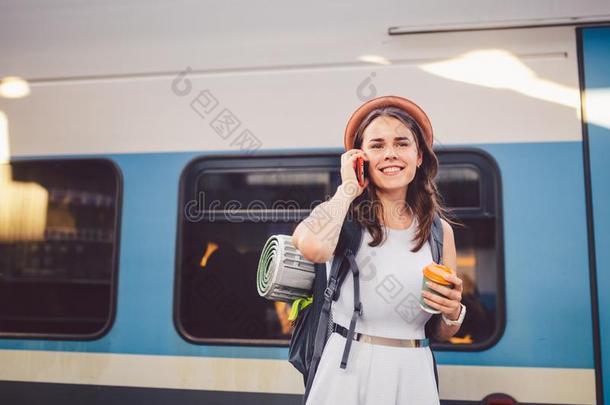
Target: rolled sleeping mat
{"points": [[283, 273]]}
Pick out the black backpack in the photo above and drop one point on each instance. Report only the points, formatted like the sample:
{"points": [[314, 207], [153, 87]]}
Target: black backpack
{"points": [[313, 324]]}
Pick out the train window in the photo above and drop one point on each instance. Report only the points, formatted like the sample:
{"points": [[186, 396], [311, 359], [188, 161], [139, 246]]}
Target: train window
{"points": [[58, 247], [230, 206]]}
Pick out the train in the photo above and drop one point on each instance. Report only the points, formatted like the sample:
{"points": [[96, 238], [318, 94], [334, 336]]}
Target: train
{"points": [[138, 189]]}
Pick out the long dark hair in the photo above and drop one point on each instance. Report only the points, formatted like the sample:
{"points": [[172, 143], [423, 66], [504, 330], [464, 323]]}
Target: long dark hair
{"points": [[422, 197]]}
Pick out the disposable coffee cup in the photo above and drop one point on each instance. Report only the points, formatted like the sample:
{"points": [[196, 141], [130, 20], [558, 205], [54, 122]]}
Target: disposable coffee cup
{"points": [[430, 275]]}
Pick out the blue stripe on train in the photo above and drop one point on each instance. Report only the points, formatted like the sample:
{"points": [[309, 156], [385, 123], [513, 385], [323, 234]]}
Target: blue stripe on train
{"points": [[547, 282]]}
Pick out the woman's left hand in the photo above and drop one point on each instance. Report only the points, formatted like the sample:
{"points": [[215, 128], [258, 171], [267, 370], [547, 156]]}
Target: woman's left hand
{"points": [[449, 306]]}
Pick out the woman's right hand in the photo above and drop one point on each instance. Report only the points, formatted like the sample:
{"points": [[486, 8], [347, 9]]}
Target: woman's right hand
{"points": [[349, 181]]}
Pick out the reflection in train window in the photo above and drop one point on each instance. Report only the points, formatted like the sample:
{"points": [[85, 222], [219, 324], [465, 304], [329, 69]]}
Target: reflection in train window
{"points": [[58, 246], [230, 206], [460, 186]]}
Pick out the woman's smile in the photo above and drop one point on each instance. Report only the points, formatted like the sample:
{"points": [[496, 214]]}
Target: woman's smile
{"points": [[391, 170]]}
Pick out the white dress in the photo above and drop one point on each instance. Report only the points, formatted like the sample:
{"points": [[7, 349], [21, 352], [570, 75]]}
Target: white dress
{"points": [[390, 287]]}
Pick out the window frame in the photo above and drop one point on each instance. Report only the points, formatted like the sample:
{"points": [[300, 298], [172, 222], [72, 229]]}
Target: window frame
{"points": [[482, 161], [237, 162], [114, 271]]}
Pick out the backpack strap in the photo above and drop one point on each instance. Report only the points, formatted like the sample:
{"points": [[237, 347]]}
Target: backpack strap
{"points": [[357, 308], [350, 238], [436, 247], [354, 230], [345, 240], [436, 239]]}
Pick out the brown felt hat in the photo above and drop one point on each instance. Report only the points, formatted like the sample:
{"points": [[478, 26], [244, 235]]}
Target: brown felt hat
{"points": [[387, 101]]}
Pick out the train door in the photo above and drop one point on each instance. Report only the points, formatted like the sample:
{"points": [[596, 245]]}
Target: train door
{"points": [[594, 45]]}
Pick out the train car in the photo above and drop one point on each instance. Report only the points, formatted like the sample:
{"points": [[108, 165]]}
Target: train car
{"points": [[152, 148]]}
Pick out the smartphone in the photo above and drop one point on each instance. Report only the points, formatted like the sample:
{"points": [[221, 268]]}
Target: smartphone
{"points": [[361, 170]]}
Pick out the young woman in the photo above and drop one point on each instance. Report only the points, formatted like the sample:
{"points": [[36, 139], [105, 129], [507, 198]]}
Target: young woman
{"points": [[391, 362]]}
